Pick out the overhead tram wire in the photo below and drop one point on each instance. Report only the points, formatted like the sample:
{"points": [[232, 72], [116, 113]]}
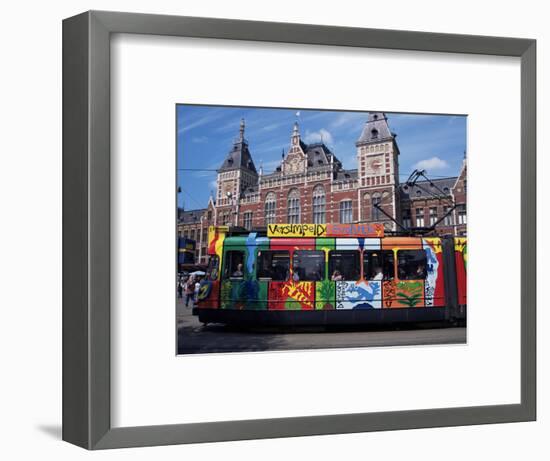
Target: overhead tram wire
{"points": [[191, 197], [215, 170]]}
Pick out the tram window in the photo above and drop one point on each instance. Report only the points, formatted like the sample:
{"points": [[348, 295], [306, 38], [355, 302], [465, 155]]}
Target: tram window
{"points": [[273, 265], [234, 265], [344, 265], [212, 271], [378, 265], [308, 266], [411, 264]]}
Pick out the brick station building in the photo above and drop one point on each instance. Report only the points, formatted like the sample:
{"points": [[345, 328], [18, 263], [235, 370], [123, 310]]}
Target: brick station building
{"points": [[311, 186]]}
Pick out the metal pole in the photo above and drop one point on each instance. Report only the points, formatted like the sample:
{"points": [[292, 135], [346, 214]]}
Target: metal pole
{"points": [[200, 247], [236, 210]]}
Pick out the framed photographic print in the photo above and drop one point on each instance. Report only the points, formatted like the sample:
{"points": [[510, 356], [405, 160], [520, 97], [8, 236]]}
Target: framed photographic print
{"points": [[277, 230], [326, 232]]}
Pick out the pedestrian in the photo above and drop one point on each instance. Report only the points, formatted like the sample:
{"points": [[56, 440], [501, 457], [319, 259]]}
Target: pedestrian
{"points": [[180, 288], [197, 288], [189, 291]]}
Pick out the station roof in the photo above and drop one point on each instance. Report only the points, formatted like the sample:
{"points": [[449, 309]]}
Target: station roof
{"points": [[427, 189]]}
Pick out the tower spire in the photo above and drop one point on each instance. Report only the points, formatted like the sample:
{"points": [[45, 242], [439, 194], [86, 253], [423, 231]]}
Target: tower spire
{"points": [[376, 129], [295, 138], [241, 131]]}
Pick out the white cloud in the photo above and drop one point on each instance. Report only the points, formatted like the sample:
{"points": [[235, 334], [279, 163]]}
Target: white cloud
{"points": [[213, 185], [273, 126], [429, 164], [316, 136], [209, 118]]}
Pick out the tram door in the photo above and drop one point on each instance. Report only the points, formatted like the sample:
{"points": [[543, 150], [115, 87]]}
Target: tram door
{"points": [[241, 288], [233, 278]]}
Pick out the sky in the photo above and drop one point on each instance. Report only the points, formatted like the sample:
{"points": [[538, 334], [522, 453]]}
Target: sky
{"points": [[205, 135]]}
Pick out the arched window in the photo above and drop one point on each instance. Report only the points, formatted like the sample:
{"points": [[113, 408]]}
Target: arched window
{"points": [[293, 207], [376, 199], [270, 206], [319, 205]]}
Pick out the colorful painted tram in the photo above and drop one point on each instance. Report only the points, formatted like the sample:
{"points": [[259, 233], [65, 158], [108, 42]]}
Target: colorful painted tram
{"points": [[319, 274]]}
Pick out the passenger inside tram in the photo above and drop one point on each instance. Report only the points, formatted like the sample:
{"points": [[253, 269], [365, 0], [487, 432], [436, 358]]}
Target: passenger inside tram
{"points": [[378, 273]]}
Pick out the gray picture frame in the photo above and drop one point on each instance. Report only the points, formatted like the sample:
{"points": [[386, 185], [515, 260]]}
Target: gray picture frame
{"points": [[86, 229]]}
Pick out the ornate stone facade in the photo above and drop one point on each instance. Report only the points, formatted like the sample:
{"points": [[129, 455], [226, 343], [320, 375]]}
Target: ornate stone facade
{"points": [[311, 186]]}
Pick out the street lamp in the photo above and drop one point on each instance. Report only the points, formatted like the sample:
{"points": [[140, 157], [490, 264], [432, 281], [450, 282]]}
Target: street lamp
{"points": [[200, 248], [178, 207]]}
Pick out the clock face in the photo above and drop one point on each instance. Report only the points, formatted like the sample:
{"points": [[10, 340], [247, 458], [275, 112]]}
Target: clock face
{"points": [[227, 188], [376, 164]]}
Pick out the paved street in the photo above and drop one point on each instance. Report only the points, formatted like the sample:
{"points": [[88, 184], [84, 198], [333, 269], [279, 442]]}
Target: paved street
{"points": [[194, 338]]}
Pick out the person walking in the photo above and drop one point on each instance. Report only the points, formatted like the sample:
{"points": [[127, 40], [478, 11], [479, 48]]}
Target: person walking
{"points": [[180, 288], [189, 291], [197, 288]]}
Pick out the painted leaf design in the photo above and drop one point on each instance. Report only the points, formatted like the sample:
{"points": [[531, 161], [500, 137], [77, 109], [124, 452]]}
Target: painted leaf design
{"points": [[326, 293], [226, 294], [301, 292], [410, 300]]}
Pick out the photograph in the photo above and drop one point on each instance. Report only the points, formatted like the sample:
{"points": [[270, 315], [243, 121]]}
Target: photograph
{"points": [[309, 229]]}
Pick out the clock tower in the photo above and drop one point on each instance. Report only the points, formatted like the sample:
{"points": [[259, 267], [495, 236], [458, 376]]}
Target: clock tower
{"points": [[378, 169], [236, 174]]}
